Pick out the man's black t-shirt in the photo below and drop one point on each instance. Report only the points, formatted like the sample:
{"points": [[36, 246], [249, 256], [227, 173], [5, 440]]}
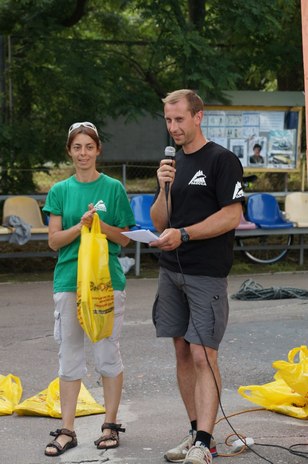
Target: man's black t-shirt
{"points": [[205, 181]]}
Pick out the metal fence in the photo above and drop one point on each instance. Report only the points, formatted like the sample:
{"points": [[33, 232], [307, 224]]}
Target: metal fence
{"points": [[140, 177], [137, 177]]}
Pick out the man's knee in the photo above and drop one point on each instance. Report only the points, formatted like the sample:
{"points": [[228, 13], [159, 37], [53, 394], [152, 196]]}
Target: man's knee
{"points": [[182, 350], [204, 356]]}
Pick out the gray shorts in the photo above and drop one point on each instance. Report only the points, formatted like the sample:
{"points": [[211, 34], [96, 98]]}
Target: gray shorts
{"points": [[193, 307], [71, 338]]}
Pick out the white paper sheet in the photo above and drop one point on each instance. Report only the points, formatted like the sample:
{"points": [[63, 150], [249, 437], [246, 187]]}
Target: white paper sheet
{"points": [[141, 235]]}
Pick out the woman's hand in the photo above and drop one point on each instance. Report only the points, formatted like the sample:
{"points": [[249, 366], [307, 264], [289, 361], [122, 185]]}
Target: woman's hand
{"points": [[87, 217]]}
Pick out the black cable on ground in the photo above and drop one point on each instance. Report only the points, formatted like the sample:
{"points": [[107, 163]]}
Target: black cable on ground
{"points": [[251, 290], [302, 454], [290, 449]]}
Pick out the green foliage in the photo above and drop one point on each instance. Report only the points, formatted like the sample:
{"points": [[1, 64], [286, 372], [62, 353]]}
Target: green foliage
{"points": [[88, 60]]}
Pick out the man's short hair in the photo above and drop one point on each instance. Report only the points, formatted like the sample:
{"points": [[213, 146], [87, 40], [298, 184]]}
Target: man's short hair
{"points": [[257, 145], [195, 103]]}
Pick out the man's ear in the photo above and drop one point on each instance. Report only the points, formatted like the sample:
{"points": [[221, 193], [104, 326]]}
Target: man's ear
{"points": [[198, 117]]}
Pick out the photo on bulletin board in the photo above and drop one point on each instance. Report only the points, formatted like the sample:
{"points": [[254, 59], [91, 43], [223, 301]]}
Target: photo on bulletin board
{"points": [[239, 148], [261, 139], [282, 148], [257, 151]]}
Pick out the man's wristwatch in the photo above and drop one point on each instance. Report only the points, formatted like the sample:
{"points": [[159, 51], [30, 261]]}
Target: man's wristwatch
{"points": [[184, 235]]}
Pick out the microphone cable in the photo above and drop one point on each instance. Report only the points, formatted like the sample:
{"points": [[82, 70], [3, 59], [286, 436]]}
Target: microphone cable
{"points": [[205, 351]]}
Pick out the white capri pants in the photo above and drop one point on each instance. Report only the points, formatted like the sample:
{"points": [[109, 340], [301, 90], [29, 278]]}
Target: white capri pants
{"points": [[71, 338]]}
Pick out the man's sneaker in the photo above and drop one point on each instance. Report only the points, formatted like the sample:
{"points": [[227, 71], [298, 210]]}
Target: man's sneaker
{"points": [[198, 454], [178, 453]]}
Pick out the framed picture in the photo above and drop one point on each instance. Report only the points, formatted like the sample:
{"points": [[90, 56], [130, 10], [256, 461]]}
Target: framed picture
{"points": [[257, 152], [281, 151], [239, 148]]}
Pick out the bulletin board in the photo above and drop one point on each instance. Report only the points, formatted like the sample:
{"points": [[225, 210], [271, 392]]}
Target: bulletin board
{"points": [[277, 130]]}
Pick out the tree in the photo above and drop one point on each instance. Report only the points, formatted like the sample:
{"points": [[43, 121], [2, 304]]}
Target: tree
{"points": [[87, 60]]}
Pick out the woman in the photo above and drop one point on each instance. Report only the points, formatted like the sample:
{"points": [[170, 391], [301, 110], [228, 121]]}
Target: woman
{"points": [[71, 204]]}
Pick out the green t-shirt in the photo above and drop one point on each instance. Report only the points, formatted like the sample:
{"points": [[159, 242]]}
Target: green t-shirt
{"points": [[70, 199]]}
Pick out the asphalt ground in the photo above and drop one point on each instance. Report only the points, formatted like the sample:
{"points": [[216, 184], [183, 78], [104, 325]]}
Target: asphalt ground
{"points": [[259, 332]]}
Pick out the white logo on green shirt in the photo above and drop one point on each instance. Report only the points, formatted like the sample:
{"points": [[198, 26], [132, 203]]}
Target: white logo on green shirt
{"points": [[100, 206]]}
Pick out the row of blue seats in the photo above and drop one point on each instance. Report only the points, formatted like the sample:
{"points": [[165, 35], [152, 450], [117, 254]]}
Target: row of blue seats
{"points": [[262, 210]]}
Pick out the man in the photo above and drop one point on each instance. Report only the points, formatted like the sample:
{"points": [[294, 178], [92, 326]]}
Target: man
{"points": [[197, 232], [256, 158]]}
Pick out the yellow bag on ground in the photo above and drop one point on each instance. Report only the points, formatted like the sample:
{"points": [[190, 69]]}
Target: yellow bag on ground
{"points": [[95, 299], [47, 403], [295, 374], [10, 393], [288, 393], [276, 396]]}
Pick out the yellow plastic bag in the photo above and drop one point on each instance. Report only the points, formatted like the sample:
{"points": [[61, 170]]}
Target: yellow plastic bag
{"points": [[10, 393], [295, 374], [288, 393], [95, 299], [277, 396], [47, 403]]}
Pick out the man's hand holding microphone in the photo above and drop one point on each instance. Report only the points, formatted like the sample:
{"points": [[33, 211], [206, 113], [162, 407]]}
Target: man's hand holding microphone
{"points": [[166, 170], [169, 238]]}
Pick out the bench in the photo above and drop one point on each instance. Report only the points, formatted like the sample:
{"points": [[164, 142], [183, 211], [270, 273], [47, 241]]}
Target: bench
{"points": [[41, 234], [36, 235], [300, 232], [27, 208], [139, 249]]}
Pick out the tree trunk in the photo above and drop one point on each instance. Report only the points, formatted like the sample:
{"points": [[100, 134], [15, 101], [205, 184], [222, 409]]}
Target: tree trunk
{"points": [[196, 10]]}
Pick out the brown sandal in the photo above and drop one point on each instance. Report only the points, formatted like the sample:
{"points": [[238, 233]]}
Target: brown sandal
{"points": [[114, 436], [55, 444]]}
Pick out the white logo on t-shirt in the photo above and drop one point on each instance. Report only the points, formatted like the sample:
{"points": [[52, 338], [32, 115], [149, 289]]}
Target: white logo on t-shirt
{"points": [[238, 191], [198, 179], [100, 206]]}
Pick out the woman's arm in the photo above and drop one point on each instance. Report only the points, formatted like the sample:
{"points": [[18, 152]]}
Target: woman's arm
{"points": [[57, 237], [113, 234]]}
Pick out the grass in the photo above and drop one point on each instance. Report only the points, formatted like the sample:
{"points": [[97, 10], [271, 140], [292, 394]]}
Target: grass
{"points": [[142, 177], [139, 179]]}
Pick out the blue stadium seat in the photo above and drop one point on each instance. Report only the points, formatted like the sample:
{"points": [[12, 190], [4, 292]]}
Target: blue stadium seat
{"points": [[263, 209], [141, 205]]}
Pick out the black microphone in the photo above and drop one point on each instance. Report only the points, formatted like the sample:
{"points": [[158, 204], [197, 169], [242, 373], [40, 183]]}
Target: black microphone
{"points": [[169, 154]]}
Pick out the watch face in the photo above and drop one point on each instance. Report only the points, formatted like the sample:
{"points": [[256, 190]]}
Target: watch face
{"points": [[184, 235]]}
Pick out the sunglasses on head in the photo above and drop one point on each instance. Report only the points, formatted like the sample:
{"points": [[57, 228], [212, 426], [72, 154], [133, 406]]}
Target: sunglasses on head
{"points": [[76, 125]]}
